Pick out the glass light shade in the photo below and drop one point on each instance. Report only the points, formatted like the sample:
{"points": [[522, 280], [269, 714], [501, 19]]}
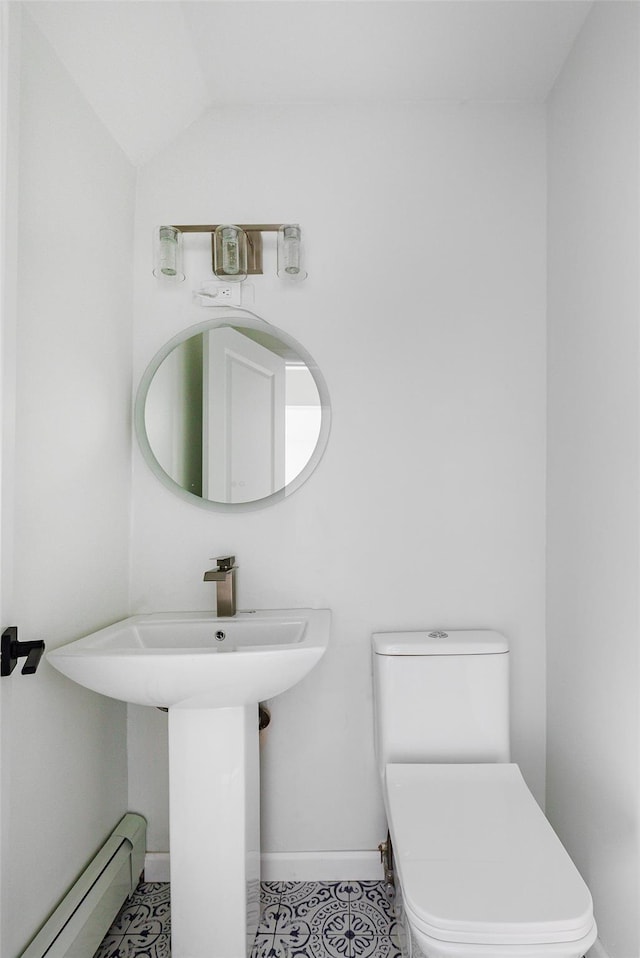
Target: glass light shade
{"points": [[290, 266], [231, 253], [167, 256]]}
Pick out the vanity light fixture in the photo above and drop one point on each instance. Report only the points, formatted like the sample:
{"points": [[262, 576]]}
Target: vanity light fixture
{"points": [[167, 258], [290, 253], [230, 253], [236, 250]]}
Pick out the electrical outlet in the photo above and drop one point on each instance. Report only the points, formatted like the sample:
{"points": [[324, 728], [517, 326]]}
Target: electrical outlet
{"points": [[214, 293]]}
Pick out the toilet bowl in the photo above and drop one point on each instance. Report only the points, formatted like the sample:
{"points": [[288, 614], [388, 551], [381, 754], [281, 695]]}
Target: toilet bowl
{"points": [[480, 873], [481, 870]]}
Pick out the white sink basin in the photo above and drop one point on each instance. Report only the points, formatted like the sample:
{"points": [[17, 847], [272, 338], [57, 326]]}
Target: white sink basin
{"points": [[211, 673], [175, 659]]}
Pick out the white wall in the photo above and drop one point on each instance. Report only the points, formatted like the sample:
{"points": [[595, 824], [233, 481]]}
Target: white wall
{"points": [[424, 307], [593, 797], [64, 751]]}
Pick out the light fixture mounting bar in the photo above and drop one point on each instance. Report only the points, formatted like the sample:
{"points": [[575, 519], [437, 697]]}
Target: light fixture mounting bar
{"points": [[248, 228]]}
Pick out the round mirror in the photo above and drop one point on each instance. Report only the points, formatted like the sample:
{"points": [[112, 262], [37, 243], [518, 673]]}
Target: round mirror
{"points": [[232, 414]]}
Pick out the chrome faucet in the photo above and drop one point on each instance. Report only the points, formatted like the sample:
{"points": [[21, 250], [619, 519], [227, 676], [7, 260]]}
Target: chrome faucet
{"points": [[224, 576]]}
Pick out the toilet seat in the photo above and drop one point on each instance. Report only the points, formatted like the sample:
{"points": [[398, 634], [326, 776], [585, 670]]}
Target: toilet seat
{"points": [[477, 860]]}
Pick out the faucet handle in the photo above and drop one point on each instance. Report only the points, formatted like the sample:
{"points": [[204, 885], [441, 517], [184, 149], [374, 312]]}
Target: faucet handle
{"points": [[225, 563]]}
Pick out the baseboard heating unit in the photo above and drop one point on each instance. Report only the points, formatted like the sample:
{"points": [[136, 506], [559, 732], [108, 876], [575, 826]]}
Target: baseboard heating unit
{"points": [[85, 914]]}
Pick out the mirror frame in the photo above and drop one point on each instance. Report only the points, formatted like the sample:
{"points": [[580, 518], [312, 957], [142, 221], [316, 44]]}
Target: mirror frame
{"points": [[234, 318]]}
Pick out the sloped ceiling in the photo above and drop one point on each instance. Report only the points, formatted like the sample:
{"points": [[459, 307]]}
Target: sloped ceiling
{"points": [[149, 68]]}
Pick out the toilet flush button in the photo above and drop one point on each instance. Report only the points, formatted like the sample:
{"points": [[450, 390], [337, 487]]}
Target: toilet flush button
{"points": [[438, 635]]}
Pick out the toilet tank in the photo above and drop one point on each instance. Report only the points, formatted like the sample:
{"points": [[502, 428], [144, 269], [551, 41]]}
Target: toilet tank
{"points": [[441, 697]]}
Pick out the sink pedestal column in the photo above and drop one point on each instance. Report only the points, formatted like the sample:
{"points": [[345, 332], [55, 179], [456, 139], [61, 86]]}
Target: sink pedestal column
{"points": [[214, 831]]}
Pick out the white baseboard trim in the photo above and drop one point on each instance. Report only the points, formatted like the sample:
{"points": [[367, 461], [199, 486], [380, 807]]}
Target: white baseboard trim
{"points": [[297, 866], [156, 866], [597, 950], [321, 866]]}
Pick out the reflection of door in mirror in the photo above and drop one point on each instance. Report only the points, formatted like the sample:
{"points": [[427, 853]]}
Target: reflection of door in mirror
{"points": [[243, 418]]}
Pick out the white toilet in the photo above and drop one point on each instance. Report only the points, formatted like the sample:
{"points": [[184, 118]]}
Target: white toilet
{"points": [[481, 873]]}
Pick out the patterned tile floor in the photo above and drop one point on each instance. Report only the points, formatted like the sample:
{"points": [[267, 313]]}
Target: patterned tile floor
{"points": [[142, 927], [298, 920], [325, 920]]}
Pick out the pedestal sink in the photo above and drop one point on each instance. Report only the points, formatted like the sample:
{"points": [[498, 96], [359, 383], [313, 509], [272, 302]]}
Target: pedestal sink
{"points": [[210, 673]]}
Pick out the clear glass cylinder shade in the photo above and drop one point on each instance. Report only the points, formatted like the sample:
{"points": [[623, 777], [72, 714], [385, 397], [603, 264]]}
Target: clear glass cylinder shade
{"points": [[290, 265], [167, 254], [230, 244]]}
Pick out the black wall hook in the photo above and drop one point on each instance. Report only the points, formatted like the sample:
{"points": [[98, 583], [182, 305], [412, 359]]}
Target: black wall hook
{"points": [[12, 650]]}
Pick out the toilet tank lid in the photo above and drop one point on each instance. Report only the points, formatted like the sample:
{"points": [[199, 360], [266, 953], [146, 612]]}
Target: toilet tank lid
{"points": [[440, 642]]}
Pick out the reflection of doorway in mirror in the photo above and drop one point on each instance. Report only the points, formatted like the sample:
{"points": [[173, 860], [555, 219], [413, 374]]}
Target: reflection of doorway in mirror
{"points": [[303, 417], [243, 420]]}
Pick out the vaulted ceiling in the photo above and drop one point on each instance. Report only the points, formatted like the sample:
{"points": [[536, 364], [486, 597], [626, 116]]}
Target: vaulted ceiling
{"points": [[149, 68]]}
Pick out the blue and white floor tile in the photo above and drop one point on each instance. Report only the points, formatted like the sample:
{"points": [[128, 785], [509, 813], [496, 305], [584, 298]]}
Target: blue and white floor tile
{"points": [[298, 920], [328, 920], [142, 928]]}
